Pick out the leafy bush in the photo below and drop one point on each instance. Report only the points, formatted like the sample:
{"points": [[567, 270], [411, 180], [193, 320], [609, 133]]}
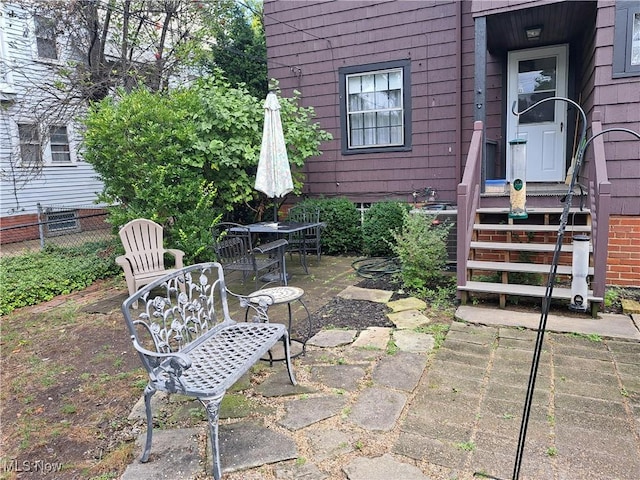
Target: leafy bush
{"points": [[37, 277], [342, 233], [380, 222], [422, 250], [184, 158]]}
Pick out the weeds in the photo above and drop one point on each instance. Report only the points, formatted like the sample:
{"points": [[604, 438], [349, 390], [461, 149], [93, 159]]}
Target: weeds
{"points": [[438, 330], [592, 337], [466, 446]]}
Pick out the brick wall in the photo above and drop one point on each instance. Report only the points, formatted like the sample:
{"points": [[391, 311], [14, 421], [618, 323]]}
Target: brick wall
{"points": [[623, 263], [28, 232], [20, 228]]}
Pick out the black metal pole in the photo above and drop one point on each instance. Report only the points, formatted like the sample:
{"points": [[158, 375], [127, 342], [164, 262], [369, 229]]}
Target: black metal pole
{"points": [[546, 302]]}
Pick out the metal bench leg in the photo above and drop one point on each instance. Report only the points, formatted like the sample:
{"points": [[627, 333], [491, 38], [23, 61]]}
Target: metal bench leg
{"points": [[287, 356], [148, 393], [212, 406]]}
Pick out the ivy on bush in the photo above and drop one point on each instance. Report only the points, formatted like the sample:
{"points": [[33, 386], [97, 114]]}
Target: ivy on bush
{"points": [[381, 221], [37, 277]]}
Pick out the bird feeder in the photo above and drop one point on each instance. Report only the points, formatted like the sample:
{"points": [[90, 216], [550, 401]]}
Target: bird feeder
{"points": [[518, 186], [579, 272]]}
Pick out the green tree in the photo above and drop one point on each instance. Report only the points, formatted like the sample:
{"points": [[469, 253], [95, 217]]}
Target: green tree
{"points": [[186, 157], [240, 49]]}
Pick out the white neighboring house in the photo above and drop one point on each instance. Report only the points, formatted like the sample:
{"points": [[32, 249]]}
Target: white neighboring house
{"points": [[39, 164]]}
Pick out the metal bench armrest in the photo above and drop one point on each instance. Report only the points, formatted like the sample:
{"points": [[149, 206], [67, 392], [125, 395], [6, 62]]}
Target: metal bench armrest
{"points": [[259, 305], [172, 363]]}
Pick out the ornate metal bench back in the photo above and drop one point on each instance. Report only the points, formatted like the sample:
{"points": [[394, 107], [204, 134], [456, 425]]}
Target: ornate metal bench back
{"points": [[171, 317]]}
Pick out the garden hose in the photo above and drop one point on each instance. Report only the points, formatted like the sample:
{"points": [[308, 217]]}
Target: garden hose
{"points": [[376, 267]]}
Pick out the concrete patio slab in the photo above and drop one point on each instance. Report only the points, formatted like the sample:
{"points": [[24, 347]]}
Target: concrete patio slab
{"points": [[247, 444], [401, 371], [409, 341], [373, 337], [332, 338], [369, 294], [408, 319], [342, 377], [327, 444], [278, 384], [409, 303], [306, 471], [303, 412], [377, 409], [382, 468], [174, 454], [608, 325]]}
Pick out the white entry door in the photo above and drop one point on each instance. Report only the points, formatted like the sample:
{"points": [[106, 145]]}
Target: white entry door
{"points": [[533, 75]]}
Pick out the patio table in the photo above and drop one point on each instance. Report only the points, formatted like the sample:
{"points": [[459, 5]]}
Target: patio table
{"points": [[282, 229]]}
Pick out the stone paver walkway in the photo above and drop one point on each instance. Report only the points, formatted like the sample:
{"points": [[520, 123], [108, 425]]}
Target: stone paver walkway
{"points": [[387, 404]]}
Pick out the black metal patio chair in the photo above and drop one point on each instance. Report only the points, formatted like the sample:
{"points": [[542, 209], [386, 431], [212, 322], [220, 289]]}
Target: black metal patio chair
{"points": [[234, 250], [308, 240]]}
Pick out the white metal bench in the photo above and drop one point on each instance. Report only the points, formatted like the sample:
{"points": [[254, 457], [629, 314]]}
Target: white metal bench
{"points": [[189, 344]]}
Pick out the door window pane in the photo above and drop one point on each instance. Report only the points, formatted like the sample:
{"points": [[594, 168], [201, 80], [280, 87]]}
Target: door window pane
{"points": [[537, 80]]}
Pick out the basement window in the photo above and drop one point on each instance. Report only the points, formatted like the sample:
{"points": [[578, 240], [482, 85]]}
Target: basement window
{"points": [[59, 223]]}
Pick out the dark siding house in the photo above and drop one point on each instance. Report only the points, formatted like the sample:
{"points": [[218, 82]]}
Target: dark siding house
{"points": [[419, 97]]}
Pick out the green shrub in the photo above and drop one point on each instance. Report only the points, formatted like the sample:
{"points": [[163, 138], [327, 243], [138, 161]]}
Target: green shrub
{"points": [[342, 233], [185, 157], [422, 250], [380, 222], [37, 277]]}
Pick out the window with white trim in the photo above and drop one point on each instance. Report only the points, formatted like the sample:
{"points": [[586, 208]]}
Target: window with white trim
{"points": [[59, 142], [46, 41], [5, 72], [56, 149], [375, 107], [30, 147], [626, 44]]}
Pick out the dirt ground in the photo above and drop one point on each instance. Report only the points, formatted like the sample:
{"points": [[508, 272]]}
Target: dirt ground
{"points": [[70, 379]]}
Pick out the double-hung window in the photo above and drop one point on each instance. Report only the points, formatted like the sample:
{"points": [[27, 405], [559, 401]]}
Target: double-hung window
{"points": [[30, 147], [46, 41], [59, 142], [375, 107], [626, 46]]}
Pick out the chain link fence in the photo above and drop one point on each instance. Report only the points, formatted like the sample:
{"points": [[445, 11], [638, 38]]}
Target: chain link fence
{"points": [[61, 225]]}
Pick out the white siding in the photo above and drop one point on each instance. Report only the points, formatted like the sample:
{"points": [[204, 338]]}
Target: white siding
{"points": [[22, 76]]}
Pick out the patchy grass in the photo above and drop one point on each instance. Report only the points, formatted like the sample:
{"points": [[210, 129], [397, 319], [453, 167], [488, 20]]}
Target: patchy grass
{"points": [[69, 381]]}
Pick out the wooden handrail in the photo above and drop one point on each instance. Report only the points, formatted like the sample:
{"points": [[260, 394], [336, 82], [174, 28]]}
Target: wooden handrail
{"points": [[600, 206], [468, 198]]}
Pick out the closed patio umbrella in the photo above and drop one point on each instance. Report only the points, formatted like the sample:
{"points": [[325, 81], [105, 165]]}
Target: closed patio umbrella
{"points": [[273, 177]]}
